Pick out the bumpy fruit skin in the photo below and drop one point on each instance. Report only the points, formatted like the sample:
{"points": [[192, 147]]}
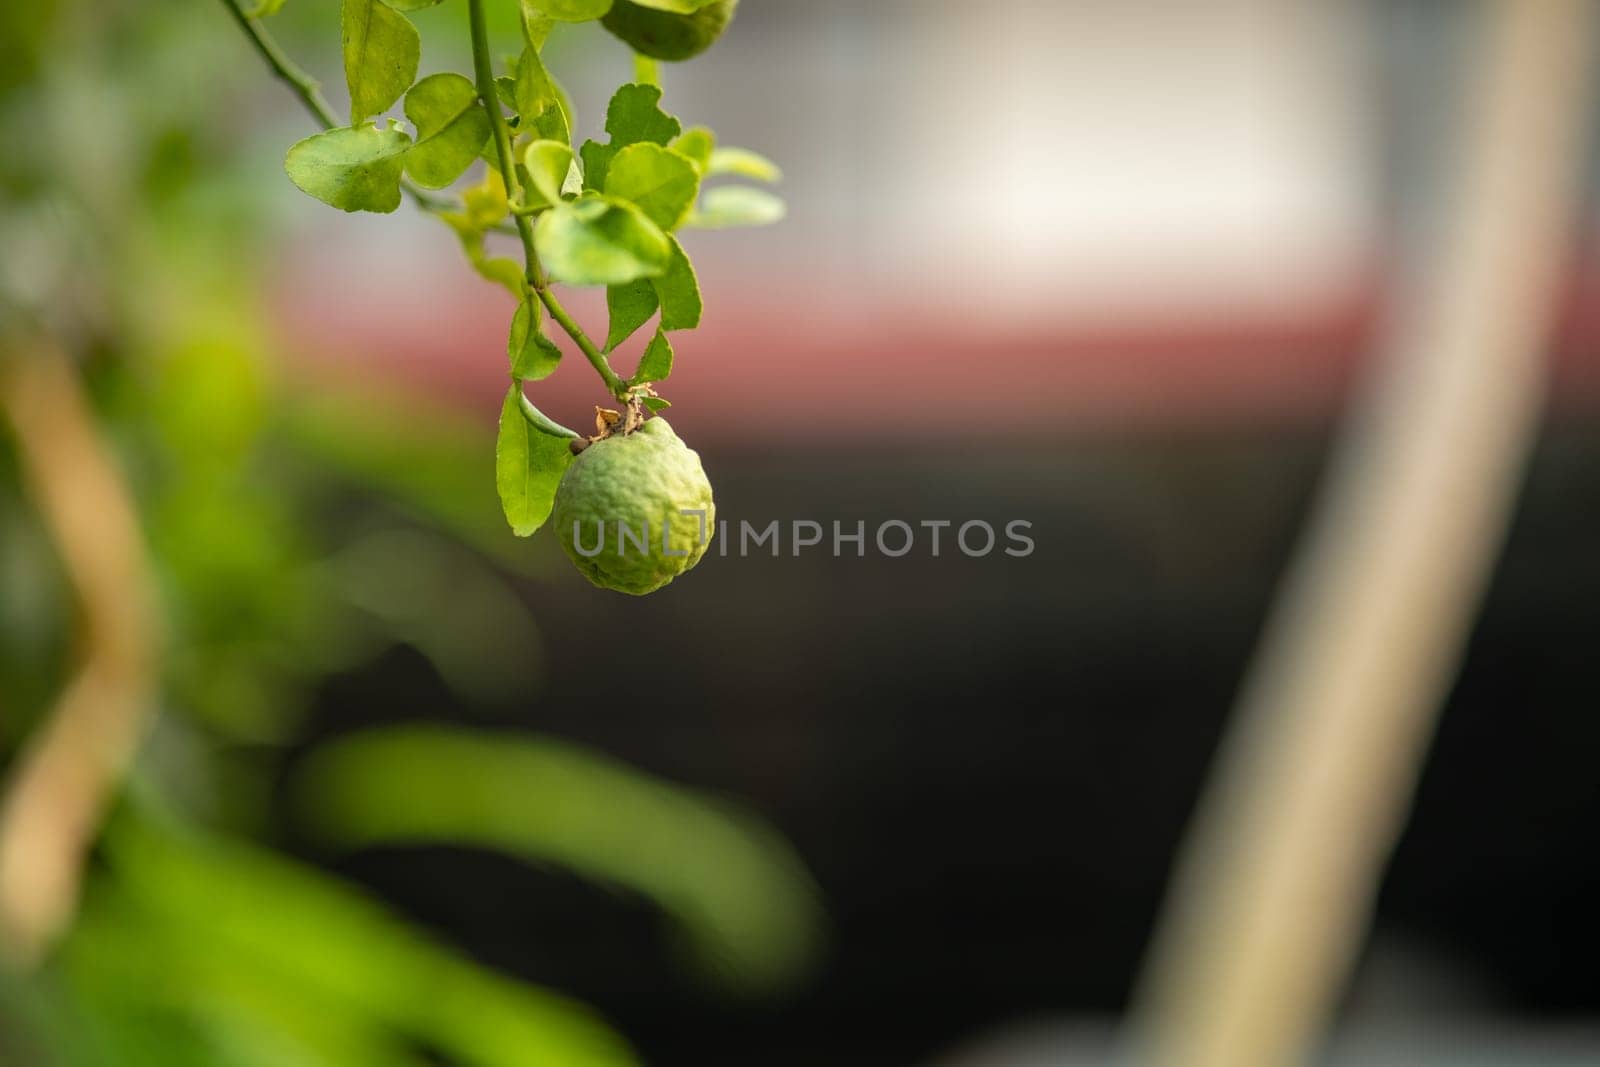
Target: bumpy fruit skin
{"points": [[648, 477], [665, 34]]}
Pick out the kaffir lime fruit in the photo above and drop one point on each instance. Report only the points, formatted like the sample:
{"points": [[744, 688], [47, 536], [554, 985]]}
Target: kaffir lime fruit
{"points": [[634, 511], [667, 34]]}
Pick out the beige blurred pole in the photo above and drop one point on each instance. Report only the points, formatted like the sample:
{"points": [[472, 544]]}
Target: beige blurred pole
{"points": [[1274, 887], [74, 762]]}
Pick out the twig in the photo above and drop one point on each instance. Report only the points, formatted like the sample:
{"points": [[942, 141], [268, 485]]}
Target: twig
{"points": [[1275, 884], [65, 777]]}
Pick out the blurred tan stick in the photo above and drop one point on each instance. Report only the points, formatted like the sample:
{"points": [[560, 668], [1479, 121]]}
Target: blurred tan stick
{"points": [[73, 763], [1274, 887]]}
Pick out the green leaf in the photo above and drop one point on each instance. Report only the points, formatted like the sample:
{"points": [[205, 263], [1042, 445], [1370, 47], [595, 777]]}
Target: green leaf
{"points": [[596, 162], [570, 10], [264, 9], [533, 355], [452, 128], [354, 168], [413, 5], [597, 241], [634, 115], [381, 50], [697, 143], [536, 25], [656, 363], [548, 164], [655, 403], [659, 181], [736, 205], [499, 269], [678, 291], [528, 465], [538, 101], [745, 163], [680, 7], [631, 306], [729, 881]]}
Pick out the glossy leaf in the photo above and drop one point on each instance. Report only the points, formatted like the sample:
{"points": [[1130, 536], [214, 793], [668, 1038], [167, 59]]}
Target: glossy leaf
{"points": [[452, 129], [548, 164], [596, 241], [528, 465], [659, 181], [631, 306], [352, 168], [656, 363], [678, 291], [533, 355], [381, 51]]}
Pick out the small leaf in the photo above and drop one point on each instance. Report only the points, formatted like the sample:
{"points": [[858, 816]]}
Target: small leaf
{"points": [[452, 128], [656, 363], [698, 143], [486, 203], [536, 25], [528, 466], [745, 163], [678, 291], [533, 91], [354, 168], [596, 163], [533, 355], [265, 9], [548, 163], [570, 10], [631, 306], [655, 403], [634, 115], [506, 272], [381, 50], [736, 205], [662, 183], [596, 241]]}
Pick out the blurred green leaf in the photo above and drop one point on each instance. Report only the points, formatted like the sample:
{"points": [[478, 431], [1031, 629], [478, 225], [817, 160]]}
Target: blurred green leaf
{"points": [[452, 128], [598, 241], [736, 205], [738, 892], [634, 116], [660, 182], [697, 143], [267, 8], [381, 51], [226, 932], [528, 465], [538, 100], [743, 162], [354, 169]]}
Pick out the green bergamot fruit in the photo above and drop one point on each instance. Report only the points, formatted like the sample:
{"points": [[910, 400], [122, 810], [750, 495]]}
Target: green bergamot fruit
{"points": [[634, 511], [667, 34]]}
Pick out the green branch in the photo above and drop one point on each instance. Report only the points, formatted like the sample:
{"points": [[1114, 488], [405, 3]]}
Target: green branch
{"points": [[484, 71], [310, 95]]}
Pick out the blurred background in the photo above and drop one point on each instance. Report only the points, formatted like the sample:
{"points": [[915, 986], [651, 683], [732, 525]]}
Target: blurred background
{"points": [[412, 792]]}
